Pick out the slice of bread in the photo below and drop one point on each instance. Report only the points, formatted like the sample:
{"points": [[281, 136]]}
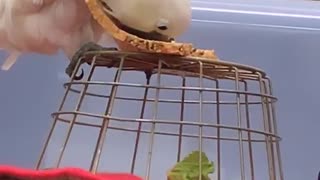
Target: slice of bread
{"points": [[130, 42]]}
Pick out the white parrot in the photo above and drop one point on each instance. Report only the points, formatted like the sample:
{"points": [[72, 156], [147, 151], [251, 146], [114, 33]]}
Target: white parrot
{"points": [[47, 26]]}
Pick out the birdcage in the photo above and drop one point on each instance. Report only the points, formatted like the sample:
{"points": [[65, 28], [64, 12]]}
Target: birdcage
{"points": [[151, 110]]}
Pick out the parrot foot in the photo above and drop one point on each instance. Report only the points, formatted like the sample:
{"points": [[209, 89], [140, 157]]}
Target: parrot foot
{"points": [[77, 57]]}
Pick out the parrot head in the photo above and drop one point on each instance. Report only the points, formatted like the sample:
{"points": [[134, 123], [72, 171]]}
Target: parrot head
{"points": [[173, 20], [169, 18]]}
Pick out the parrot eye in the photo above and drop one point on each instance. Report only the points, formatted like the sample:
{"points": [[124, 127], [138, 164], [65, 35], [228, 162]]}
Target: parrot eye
{"points": [[162, 27]]}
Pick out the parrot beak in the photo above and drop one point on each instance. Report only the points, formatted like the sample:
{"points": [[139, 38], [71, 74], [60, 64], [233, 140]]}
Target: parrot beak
{"points": [[153, 35], [146, 35]]}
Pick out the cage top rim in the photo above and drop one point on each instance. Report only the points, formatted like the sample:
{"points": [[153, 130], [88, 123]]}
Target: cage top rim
{"points": [[118, 54]]}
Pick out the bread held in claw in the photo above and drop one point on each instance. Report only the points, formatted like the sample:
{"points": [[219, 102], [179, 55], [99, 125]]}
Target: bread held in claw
{"points": [[130, 42]]}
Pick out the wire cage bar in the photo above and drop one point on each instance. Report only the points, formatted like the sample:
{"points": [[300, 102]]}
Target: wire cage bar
{"points": [[164, 107]]}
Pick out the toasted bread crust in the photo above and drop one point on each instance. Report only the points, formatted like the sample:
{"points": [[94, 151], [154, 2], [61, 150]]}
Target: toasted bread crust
{"points": [[127, 41]]}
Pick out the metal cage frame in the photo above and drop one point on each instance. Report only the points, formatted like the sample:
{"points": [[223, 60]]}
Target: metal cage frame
{"points": [[199, 69]]}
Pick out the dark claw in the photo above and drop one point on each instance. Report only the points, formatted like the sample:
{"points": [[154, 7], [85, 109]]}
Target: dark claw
{"points": [[84, 49], [171, 39], [77, 78], [111, 49]]}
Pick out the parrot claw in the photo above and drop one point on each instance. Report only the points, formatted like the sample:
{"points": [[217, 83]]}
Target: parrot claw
{"points": [[77, 57]]}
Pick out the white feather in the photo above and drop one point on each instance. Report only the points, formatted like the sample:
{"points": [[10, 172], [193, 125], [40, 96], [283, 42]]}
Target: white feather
{"points": [[47, 26], [10, 61]]}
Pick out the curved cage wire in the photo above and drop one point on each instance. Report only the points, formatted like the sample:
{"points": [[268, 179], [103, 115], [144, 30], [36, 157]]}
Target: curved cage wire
{"points": [[150, 111]]}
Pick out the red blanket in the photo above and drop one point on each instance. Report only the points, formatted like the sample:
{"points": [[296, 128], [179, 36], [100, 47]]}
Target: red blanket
{"points": [[14, 173]]}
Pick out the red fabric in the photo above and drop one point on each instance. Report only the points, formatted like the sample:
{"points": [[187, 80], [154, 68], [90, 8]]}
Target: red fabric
{"points": [[10, 172]]}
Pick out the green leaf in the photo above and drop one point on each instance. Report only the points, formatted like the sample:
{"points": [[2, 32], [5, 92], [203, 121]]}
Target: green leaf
{"points": [[188, 168]]}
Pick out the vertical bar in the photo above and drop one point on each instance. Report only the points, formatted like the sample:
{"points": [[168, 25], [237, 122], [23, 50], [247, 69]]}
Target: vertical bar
{"points": [[145, 96], [218, 131], [181, 118], [249, 132], [103, 131], [200, 116], [265, 123], [269, 124], [78, 106], [54, 123], [154, 119], [237, 87], [275, 127]]}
